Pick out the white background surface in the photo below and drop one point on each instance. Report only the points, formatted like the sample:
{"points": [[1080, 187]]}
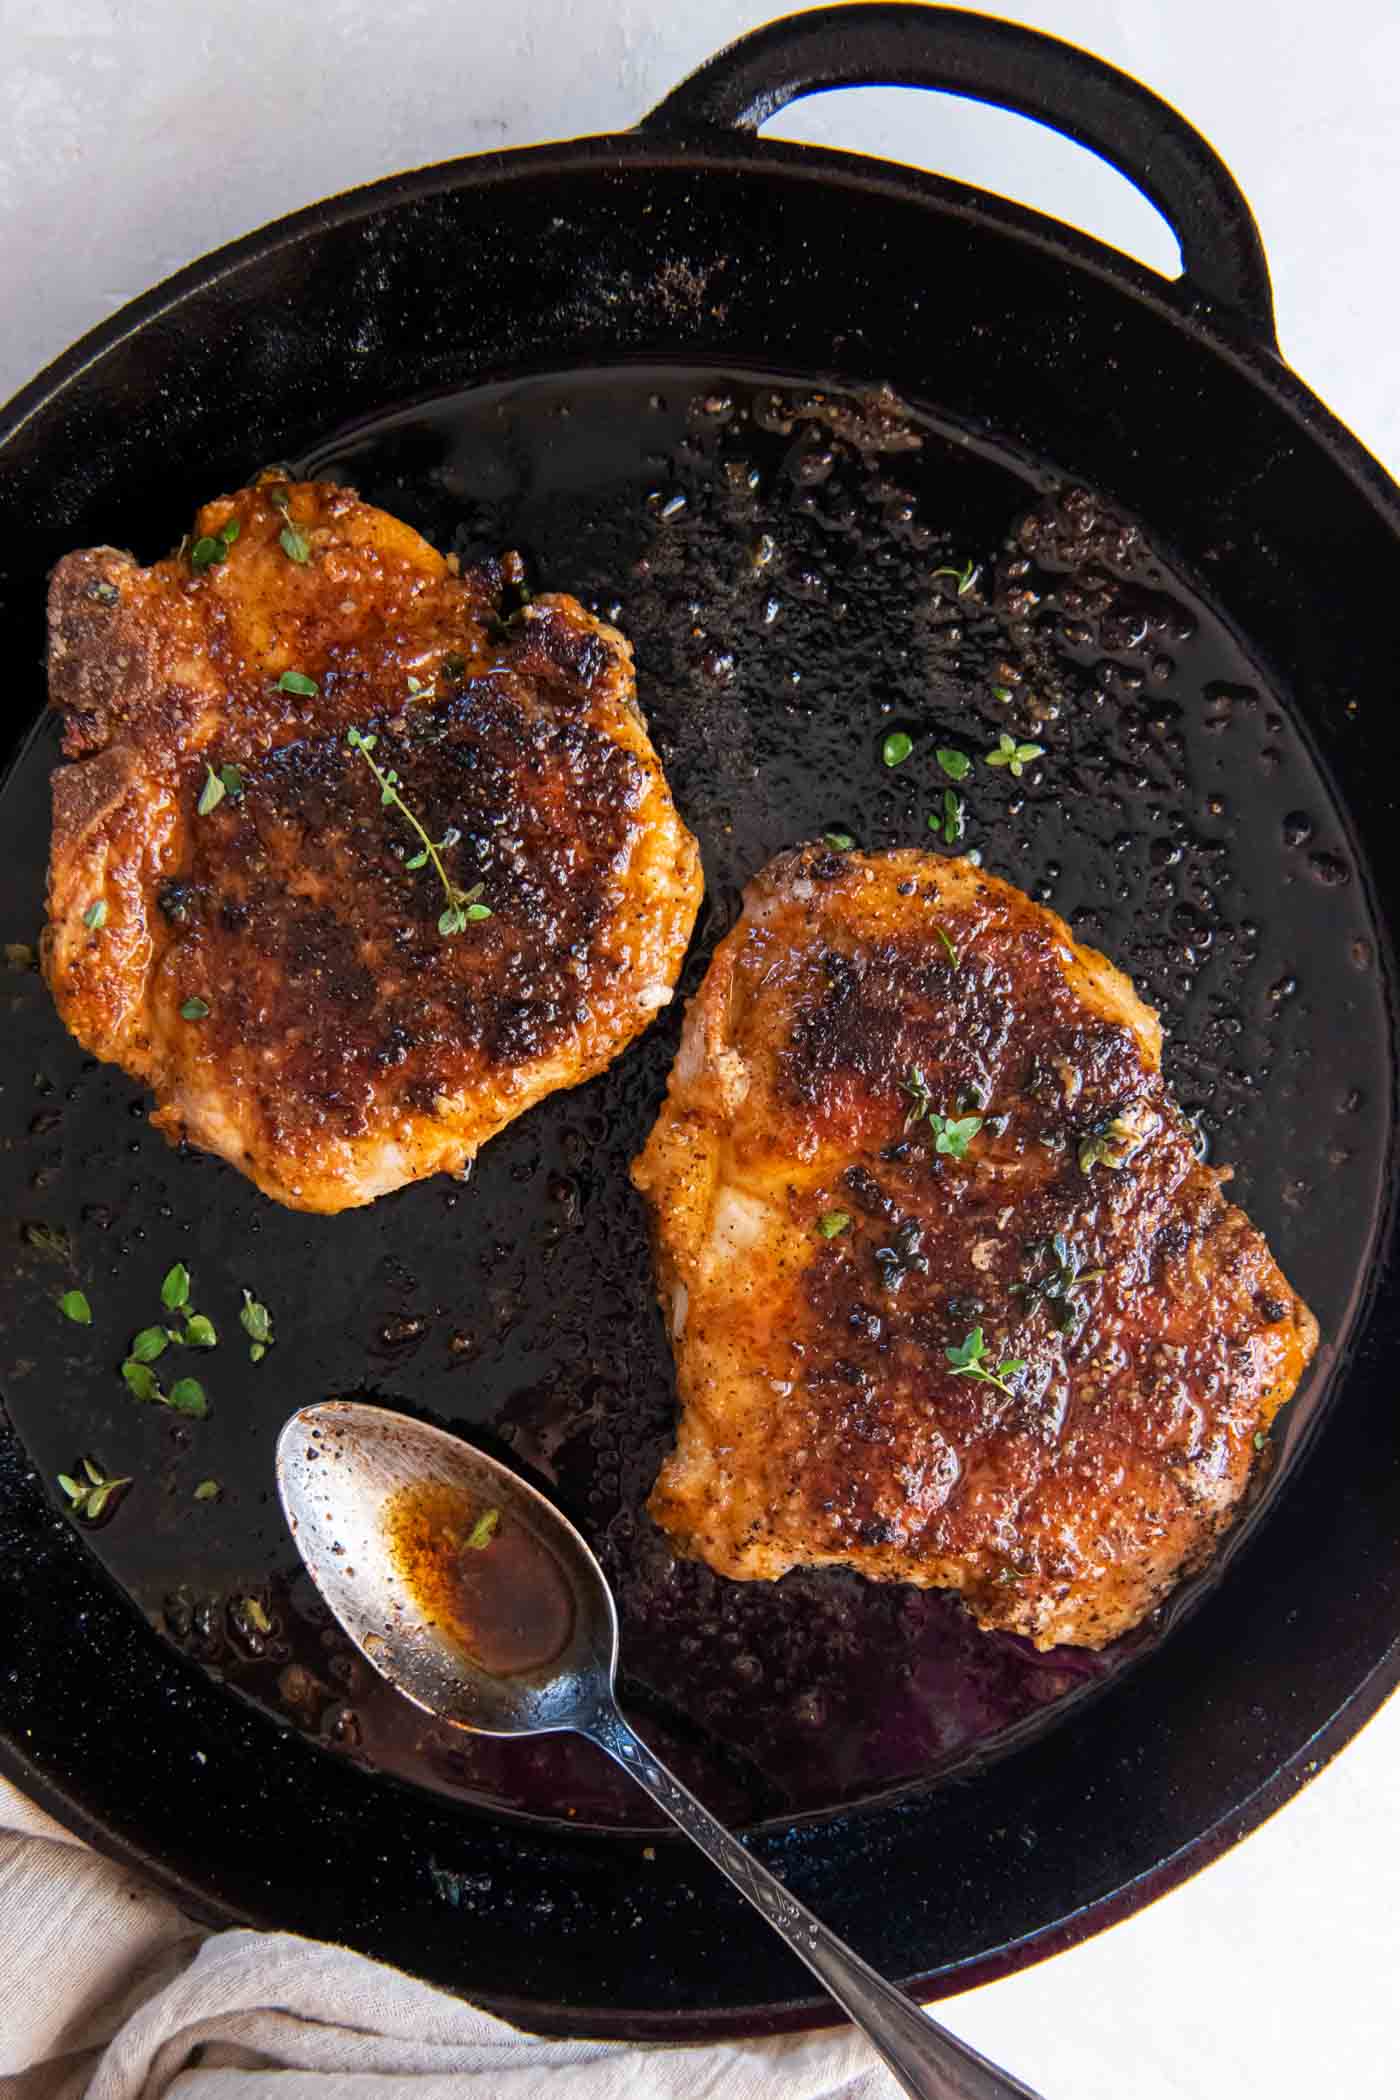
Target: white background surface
{"points": [[134, 137]]}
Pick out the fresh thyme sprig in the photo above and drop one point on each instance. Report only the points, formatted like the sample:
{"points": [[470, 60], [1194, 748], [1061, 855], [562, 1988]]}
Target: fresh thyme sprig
{"points": [[1060, 1285], [294, 544], [969, 1358], [951, 1134], [1111, 1145], [89, 1496], [462, 905], [964, 577], [256, 1322], [952, 820], [1010, 753], [213, 548]]}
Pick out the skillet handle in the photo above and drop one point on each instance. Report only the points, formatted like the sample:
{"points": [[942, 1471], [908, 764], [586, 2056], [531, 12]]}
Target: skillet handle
{"points": [[897, 45]]}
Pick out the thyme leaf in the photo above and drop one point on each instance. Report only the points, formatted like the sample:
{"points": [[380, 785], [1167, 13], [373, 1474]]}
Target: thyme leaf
{"points": [[294, 544], [484, 1530], [463, 906], [964, 577], [212, 793], [1017, 756], [970, 1358], [213, 547], [89, 1497]]}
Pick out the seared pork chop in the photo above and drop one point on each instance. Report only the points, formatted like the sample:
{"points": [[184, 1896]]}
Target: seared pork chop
{"points": [[953, 1301], [348, 869]]}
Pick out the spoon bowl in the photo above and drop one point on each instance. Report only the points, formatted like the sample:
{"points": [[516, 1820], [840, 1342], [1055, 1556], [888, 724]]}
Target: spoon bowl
{"points": [[474, 1596], [370, 1497]]}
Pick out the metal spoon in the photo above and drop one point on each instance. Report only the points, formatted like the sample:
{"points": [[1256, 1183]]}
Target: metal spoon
{"points": [[344, 1470]]}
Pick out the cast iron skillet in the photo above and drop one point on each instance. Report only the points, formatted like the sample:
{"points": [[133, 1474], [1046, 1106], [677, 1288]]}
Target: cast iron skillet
{"points": [[692, 243]]}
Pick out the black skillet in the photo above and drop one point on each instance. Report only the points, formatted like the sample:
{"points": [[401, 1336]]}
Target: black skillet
{"points": [[609, 353]]}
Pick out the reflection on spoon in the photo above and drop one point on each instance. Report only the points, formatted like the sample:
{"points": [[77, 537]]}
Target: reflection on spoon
{"points": [[469, 1591]]}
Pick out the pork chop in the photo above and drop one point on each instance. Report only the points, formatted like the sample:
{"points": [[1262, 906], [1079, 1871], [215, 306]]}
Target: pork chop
{"points": [[349, 869], [952, 1299]]}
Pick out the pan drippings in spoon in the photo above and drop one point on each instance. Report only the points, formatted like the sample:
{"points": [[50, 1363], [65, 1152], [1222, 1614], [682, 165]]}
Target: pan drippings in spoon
{"points": [[488, 1586]]}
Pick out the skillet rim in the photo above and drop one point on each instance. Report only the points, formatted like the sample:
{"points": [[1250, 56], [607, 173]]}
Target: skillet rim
{"points": [[1204, 325]]}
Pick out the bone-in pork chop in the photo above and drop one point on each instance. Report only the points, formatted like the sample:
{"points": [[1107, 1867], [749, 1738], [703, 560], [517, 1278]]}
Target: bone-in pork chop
{"points": [[952, 1299], [349, 869]]}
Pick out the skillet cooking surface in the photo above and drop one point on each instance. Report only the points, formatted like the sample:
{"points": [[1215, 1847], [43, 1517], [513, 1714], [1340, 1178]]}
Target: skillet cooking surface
{"points": [[768, 548]]}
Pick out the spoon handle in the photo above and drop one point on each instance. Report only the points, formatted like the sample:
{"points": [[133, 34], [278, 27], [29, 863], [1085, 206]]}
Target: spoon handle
{"points": [[929, 2063]]}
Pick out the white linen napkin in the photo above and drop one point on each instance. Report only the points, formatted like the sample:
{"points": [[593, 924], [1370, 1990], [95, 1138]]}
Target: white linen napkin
{"points": [[108, 1993]]}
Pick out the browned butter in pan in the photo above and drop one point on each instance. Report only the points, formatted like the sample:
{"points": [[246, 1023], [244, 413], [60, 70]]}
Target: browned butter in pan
{"points": [[480, 1577]]}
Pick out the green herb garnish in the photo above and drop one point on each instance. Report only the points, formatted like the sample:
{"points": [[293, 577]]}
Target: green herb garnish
{"points": [[213, 547], [969, 1359], [462, 906], [96, 914], [832, 1222], [484, 1530], [253, 1614], [1111, 1145], [896, 747], [294, 544], [74, 1306], [256, 1322], [298, 682], [953, 820], [208, 1491], [1001, 692], [89, 1496], [195, 1009], [199, 1333], [141, 1380], [839, 841], [916, 1087], [212, 793], [956, 764], [951, 1134], [1060, 1284], [49, 1240], [965, 578], [187, 1397], [953, 955], [227, 781], [1009, 753], [175, 1289], [150, 1343]]}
